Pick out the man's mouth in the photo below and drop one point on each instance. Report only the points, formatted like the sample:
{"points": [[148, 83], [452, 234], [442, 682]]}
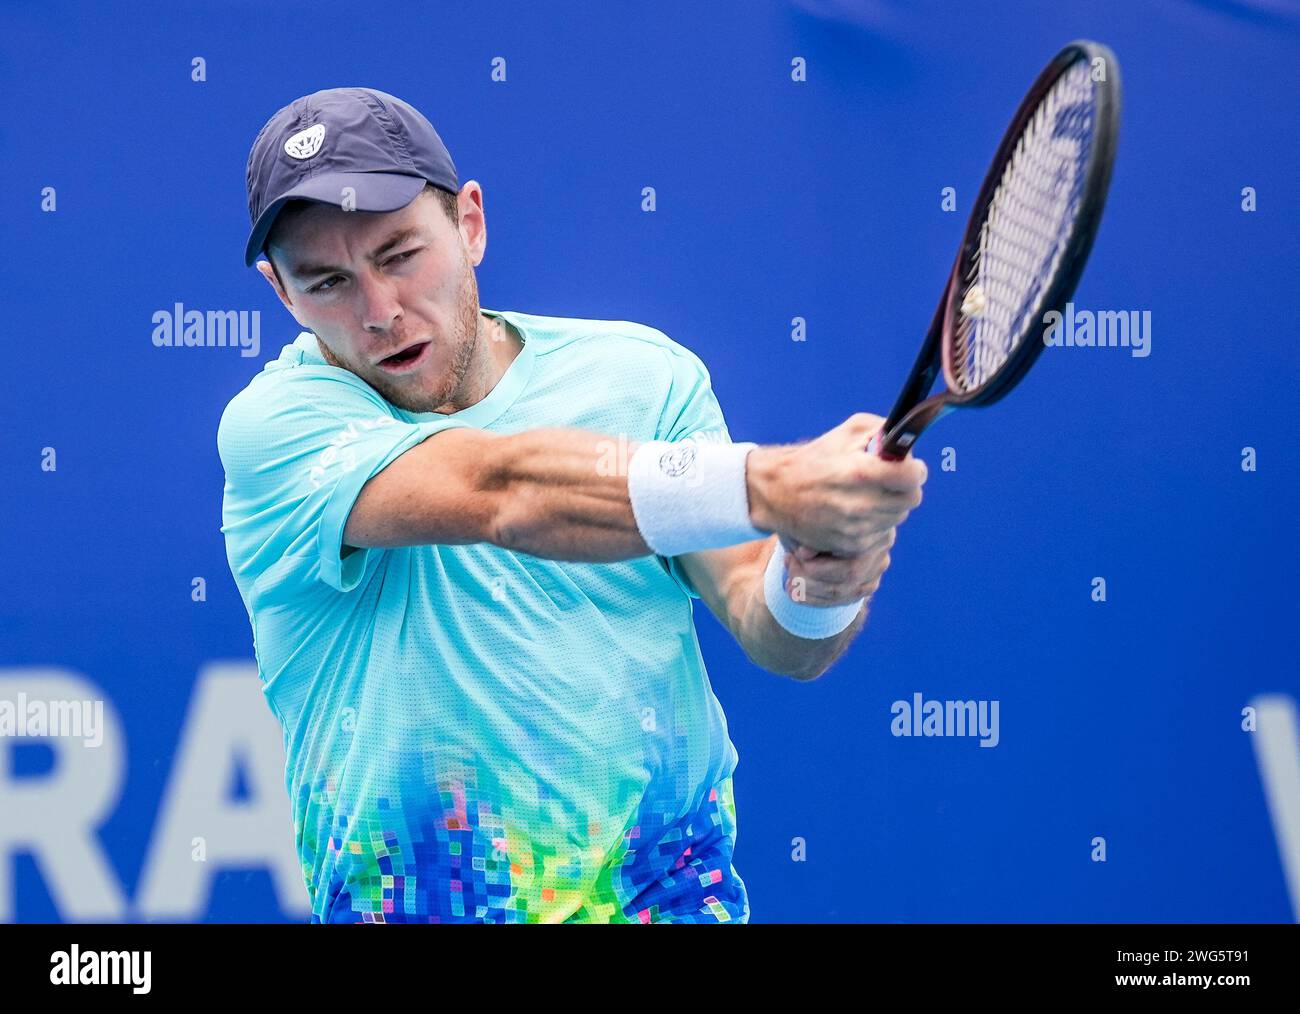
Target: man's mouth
{"points": [[406, 360]]}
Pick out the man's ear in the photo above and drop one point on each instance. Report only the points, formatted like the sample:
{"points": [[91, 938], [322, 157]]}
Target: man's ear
{"points": [[473, 222], [269, 274]]}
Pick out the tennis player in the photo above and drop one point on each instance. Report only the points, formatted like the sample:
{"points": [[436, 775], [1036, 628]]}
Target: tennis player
{"points": [[468, 541]]}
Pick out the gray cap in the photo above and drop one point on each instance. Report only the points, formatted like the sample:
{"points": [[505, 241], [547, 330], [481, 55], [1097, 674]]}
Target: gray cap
{"points": [[358, 138]]}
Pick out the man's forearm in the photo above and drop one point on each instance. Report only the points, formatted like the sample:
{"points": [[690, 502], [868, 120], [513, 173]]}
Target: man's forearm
{"points": [[772, 647], [563, 494]]}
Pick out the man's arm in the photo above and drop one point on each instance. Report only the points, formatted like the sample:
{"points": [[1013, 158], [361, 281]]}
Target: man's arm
{"points": [[555, 493], [547, 492], [730, 582]]}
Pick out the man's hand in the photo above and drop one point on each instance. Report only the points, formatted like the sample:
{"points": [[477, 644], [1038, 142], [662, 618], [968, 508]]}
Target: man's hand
{"points": [[831, 495], [822, 579]]}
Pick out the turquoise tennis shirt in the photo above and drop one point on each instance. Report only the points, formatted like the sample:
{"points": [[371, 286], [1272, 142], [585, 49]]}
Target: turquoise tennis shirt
{"points": [[474, 734]]}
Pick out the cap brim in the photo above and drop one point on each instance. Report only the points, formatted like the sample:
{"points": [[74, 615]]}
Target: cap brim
{"points": [[370, 192]]}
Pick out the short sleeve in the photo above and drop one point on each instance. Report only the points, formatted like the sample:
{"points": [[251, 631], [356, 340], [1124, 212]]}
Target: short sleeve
{"points": [[296, 451], [690, 410]]}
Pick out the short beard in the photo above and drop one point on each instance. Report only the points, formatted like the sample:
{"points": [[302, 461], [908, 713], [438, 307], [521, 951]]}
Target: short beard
{"points": [[467, 341]]}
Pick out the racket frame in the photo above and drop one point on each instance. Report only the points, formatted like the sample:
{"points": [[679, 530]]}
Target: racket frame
{"points": [[913, 412]]}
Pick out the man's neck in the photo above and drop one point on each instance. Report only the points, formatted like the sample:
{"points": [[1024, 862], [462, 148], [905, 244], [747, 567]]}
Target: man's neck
{"points": [[497, 346], [503, 344]]}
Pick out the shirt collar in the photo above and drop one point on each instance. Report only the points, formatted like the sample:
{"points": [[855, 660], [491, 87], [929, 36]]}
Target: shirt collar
{"points": [[507, 390]]}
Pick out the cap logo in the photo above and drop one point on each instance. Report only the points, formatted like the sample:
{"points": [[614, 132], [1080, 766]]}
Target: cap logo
{"points": [[305, 143]]}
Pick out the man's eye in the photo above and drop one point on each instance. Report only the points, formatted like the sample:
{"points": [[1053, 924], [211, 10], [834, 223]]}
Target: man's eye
{"points": [[403, 257], [324, 286]]}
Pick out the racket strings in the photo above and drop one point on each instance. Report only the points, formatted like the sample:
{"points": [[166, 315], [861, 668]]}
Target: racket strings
{"points": [[1026, 229]]}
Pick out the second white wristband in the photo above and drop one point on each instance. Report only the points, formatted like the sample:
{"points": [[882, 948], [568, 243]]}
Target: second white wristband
{"points": [[799, 618]]}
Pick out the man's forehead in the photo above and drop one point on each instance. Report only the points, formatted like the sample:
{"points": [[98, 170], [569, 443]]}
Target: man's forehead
{"points": [[320, 233]]}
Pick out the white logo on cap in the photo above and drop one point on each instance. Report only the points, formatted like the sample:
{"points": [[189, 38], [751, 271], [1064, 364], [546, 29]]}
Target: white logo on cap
{"points": [[305, 143]]}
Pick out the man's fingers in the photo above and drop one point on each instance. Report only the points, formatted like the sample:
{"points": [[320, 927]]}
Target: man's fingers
{"points": [[803, 588], [827, 576], [861, 427], [853, 435], [896, 476], [893, 501]]}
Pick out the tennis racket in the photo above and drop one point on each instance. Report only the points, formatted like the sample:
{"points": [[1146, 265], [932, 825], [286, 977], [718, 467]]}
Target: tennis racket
{"points": [[1025, 245]]}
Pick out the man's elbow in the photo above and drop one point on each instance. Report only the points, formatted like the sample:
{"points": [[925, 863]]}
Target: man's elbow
{"points": [[807, 675], [799, 673], [814, 668]]}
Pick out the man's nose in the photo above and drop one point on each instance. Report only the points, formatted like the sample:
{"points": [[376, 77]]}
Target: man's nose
{"points": [[380, 305]]}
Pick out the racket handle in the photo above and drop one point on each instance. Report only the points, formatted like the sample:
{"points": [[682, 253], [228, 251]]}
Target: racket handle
{"points": [[874, 448], [894, 444]]}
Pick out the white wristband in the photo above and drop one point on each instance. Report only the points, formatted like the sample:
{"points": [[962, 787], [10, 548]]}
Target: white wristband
{"points": [[691, 495], [799, 618]]}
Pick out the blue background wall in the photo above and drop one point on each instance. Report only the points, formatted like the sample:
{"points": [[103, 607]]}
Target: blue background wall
{"points": [[776, 199]]}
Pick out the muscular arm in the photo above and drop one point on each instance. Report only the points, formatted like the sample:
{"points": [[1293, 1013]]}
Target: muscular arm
{"points": [[730, 581], [553, 493], [562, 494]]}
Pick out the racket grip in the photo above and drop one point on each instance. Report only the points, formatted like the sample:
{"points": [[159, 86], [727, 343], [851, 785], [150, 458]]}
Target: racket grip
{"points": [[874, 448]]}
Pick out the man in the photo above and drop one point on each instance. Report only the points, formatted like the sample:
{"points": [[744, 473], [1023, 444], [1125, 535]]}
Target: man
{"points": [[468, 541]]}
